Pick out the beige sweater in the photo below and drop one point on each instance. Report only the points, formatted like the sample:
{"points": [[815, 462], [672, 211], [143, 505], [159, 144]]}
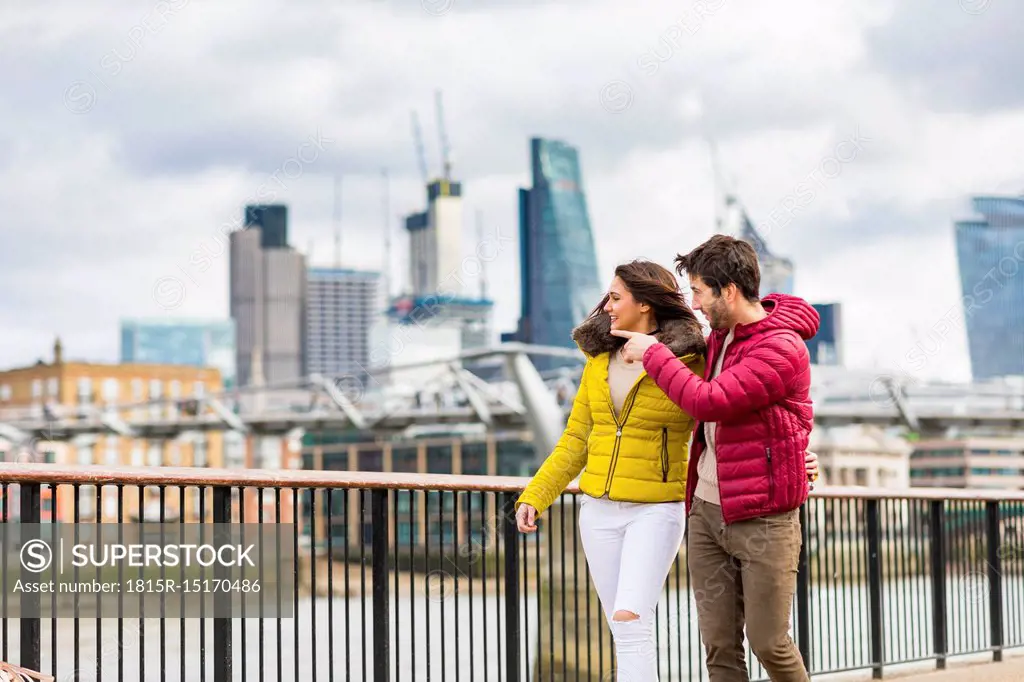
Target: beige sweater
{"points": [[621, 377], [707, 465]]}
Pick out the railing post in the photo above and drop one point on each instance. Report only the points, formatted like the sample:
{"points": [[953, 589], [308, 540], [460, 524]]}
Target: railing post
{"points": [[222, 655], [875, 587], [803, 591], [510, 534], [31, 648], [938, 551], [995, 579], [381, 623]]}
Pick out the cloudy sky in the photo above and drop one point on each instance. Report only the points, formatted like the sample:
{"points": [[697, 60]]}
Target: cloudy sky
{"points": [[854, 133]]}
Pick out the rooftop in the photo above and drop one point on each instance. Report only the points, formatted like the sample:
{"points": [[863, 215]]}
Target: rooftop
{"points": [[340, 273]]}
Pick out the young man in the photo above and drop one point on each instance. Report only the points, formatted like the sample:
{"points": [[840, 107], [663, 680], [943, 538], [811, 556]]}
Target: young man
{"points": [[747, 476]]}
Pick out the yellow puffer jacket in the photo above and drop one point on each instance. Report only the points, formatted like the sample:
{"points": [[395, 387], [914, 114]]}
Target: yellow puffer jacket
{"points": [[642, 455]]}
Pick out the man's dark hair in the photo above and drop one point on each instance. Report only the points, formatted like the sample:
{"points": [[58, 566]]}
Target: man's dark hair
{"points": [[721, 261]]}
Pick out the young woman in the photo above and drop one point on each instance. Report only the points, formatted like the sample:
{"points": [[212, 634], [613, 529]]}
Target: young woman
{"points": [[631, 444]]}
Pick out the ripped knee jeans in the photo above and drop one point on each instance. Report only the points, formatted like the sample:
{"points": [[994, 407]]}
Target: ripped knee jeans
{"points": [[630, 548]]}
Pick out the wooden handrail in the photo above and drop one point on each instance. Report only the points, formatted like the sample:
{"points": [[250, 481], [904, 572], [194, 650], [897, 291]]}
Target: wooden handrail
{"points": [[54, 474], [253, 478]]}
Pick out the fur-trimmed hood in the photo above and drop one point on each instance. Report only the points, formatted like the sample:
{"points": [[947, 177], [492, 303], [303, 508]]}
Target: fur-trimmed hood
{"points": [[593, 336]]}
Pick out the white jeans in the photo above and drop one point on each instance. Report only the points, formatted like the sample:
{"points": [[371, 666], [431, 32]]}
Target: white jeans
{"points": [[630, 548]]}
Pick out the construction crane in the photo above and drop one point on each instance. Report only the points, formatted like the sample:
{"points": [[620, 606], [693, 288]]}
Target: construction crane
{"points": [[421, 157], [446, 163], [337, 220], [483, 265], [722, 187]]}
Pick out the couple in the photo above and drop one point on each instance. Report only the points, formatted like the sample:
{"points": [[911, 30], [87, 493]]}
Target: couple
{"points": [[651, 381]]}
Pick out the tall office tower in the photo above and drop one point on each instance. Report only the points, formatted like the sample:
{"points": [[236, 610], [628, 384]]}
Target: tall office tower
{"points": [[435, 241], [990, 249], [268, 305], [196, 343], [826, 347], [343, 308], [558, 259], [438, 296], [776, 271]]}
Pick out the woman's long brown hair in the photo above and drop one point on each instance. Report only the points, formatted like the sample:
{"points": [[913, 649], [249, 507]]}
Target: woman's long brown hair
{"points": [[656, 286]]}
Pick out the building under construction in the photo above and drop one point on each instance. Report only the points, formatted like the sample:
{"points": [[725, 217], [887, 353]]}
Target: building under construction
{"points": [[437, 294]]}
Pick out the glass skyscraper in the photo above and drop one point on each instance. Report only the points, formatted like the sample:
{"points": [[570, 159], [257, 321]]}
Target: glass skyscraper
{"points": [[558, 258], [198, 343], [990, 255]]}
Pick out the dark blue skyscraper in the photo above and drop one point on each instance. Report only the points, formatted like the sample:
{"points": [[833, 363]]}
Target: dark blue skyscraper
{"points": [[558, 260], [990, 253]]}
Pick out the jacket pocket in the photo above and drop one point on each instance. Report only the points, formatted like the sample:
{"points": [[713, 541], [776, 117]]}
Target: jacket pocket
{"points": [[664, 455], [771, 476]]}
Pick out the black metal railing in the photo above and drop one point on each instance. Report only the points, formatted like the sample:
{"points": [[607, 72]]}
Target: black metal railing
{"points": [[416, 577]]}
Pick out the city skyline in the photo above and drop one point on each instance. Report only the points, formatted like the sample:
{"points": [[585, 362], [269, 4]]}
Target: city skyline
{"points": [[859, 161]]}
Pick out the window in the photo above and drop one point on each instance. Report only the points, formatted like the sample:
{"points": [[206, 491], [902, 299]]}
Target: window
{"points": [[137, 459], [271, 455], [196, 494], [943, 472], [85, 391], [234, 450], [37, 389], [155, 389], [980, 471], [53, 387], [137, 394], [5, 392], [198, 389], [86, 501], [199, 451], [110, 390], [174, 391], [155, 456]]}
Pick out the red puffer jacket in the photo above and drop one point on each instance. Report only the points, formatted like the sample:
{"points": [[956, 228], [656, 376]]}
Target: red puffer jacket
{"points": [[761, 404]]}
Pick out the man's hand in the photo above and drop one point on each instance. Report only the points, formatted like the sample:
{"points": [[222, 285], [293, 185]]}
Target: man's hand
{"points": [[526, 517], [811, 462], [636, 344]]}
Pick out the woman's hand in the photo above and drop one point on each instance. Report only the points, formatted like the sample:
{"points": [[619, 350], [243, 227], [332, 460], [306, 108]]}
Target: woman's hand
{"points": [[526, 517], [811, 462]]}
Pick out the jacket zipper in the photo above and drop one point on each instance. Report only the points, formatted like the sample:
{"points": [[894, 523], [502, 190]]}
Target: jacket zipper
{"points": [[771, 476], [664, 454], [619, 423]]}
